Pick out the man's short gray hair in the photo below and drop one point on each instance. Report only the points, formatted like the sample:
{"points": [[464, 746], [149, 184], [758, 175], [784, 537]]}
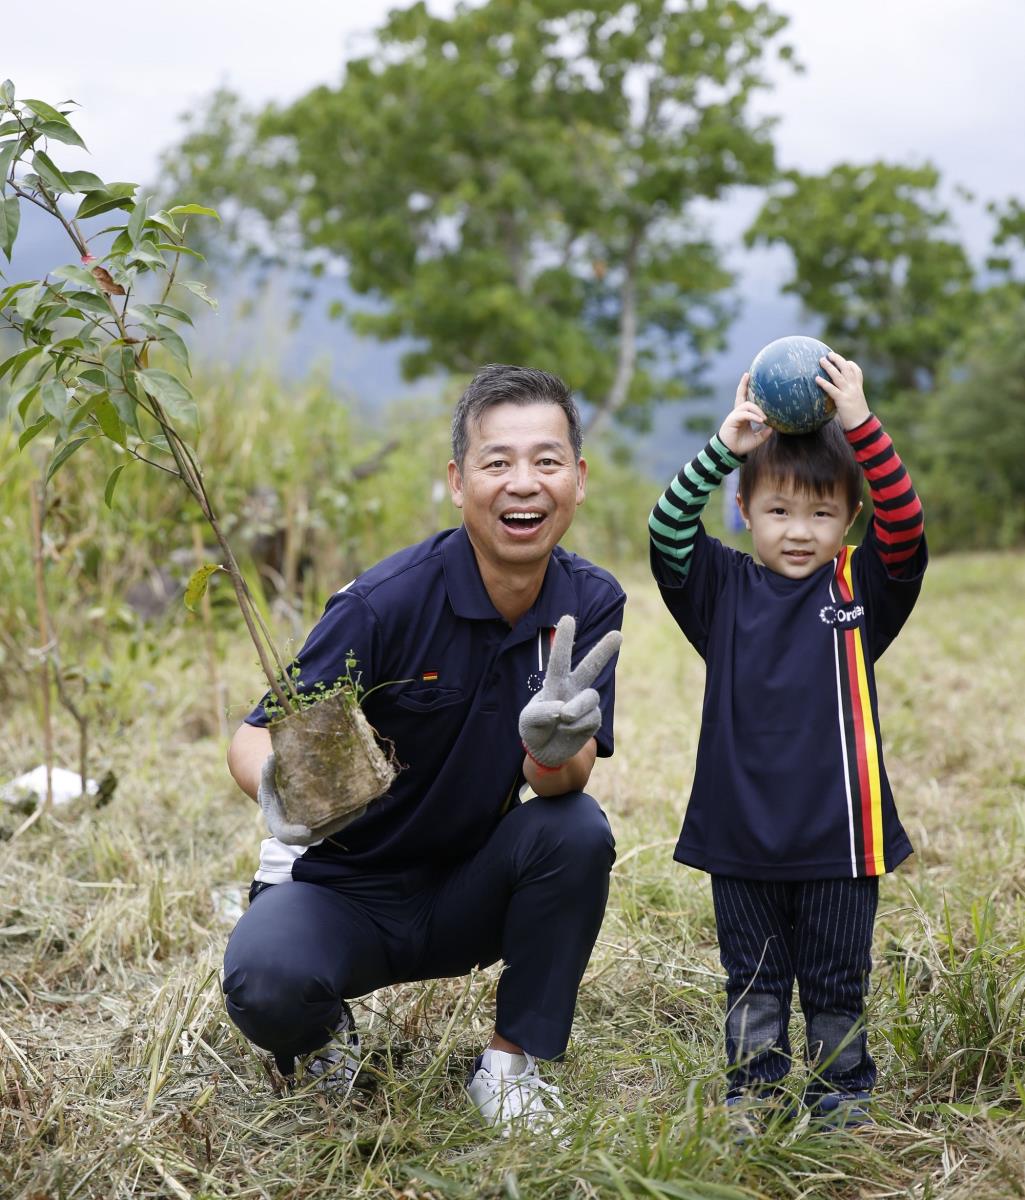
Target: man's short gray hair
{"points": [[499, 383]]}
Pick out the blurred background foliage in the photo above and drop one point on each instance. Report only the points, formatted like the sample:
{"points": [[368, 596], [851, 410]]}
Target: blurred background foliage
{"points": [[525, 182]]}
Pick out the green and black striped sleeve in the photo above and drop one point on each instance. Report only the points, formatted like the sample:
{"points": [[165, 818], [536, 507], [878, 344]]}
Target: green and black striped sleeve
{"points": [[674, 519]]}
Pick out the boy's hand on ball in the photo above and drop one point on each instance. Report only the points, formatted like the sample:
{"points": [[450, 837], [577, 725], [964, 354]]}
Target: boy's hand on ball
{"points": [[844, 383], [744, 427]]}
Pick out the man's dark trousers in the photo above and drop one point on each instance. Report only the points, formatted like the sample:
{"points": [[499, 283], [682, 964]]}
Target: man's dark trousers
{"points": [[818, 932], [534, 895]]}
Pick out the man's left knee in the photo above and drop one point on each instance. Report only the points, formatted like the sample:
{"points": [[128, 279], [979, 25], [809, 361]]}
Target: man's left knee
{"points": [[571, 826]]}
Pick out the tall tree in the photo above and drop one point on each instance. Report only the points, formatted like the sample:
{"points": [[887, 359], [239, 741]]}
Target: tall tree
{"points": [[874, 255], [520, 182]]}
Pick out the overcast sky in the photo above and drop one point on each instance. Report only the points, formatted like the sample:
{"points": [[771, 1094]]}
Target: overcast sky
{"points": [[903, 80]]}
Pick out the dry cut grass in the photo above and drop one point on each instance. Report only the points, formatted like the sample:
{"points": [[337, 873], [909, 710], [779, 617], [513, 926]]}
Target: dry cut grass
{"points": [[120, 1075]]}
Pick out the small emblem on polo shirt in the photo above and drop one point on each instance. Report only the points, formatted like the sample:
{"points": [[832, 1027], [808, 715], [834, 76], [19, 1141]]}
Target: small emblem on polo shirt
{"points": [[429, 676], [545, 637]]}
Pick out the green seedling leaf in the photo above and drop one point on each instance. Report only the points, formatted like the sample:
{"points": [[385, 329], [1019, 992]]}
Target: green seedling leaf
{"points": [[10, 217], [85, 181], [90, 303], [198, 289], [176, 249], [23, 397], [8, 294], [168, 310], [109, 422], [55, 397], [76, 274], [60, 132], [17, 361], [50, 173], [138, 219], [34, 430], [163, 220], [195, 589], [173, 344], [173, 396], [29, 301], [112, 478], [194, 210], [46, 111], [63, 455], [7, 156], [114, 195]]}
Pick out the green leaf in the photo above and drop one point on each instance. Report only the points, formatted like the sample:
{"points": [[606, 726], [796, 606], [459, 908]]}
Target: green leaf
{"points": [[110, 422], [163, 220], [29, 300], [114, 195], [176, 249], [17, 361], [7, 92], [9, 293], [63, 455], [90, 302], [55, 397], [10, 216], [138, 219], [76, 274], [85, 181], [193, 210], [172, 395], [34, 430], [60, 132], [108, 491], [23, 397], [195, 589], [174, 345], [168, 310], [198, 289], [50, 173], [46, 111], [8, 153]]}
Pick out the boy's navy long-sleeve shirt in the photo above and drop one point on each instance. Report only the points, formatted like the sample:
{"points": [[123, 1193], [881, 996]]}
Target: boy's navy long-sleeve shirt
{"points": [[790, 781]]}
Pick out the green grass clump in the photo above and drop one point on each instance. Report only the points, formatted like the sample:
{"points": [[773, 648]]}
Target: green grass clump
{"points": [[121, 1076]]}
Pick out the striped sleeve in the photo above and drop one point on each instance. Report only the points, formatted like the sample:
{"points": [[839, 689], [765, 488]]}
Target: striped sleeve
{"points": [[898, 517], [674, 519]]}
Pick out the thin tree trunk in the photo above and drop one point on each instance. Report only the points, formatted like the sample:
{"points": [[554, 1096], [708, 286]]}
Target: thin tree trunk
{"points": [[626, 363]]}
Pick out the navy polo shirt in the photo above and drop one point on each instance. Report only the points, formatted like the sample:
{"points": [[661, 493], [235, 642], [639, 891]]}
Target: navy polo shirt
{"points": [[449, 678], [790, 782]]}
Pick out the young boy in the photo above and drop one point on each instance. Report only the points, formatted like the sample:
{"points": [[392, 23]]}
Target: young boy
{"points": [[791, 812]]}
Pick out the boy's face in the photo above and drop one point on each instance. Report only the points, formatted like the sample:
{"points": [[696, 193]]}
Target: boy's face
{"points": [[794, 532]]}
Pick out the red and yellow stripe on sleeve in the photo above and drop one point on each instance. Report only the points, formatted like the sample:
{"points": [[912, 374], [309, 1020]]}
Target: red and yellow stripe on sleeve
{"points": [[859, 735]]}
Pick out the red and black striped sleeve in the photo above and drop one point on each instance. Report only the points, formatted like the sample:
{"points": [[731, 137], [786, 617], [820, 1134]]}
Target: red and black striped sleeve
{"points": [[898, 518]]}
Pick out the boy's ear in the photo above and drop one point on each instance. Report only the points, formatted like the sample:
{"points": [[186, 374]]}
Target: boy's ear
{"points": [[854, 517], [743, 511]]}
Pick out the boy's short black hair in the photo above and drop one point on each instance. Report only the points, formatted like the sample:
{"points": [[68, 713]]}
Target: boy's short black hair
{"points": [[812, 463]]}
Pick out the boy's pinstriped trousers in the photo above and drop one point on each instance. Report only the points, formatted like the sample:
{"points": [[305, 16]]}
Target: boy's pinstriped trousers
{"points": [[819, 933]]}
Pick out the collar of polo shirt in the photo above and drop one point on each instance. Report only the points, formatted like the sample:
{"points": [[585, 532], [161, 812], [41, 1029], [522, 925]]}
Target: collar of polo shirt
{"points": [[469, 597]]}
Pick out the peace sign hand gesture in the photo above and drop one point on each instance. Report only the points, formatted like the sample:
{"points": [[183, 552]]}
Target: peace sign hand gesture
{"points": [[557, 722]]}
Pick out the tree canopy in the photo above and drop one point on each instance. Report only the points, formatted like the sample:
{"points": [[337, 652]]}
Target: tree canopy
{"points": [[518, 182]]}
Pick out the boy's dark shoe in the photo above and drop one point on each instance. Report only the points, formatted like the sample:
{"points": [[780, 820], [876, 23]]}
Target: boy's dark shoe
{"points": [[841, 1110]]}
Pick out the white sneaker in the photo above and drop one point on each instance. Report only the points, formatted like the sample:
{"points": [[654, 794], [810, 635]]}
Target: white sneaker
{"points": [[509, 1092], [335, 1065]]}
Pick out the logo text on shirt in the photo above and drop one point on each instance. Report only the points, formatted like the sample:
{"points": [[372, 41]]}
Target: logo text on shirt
{"points": [[841, 614]]}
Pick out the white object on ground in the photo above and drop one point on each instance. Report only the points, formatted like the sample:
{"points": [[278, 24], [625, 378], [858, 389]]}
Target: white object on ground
{"points": [[66, 786]]}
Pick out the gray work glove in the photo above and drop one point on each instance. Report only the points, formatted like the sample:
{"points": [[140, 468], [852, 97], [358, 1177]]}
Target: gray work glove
{"points": [[280, 827], [557, 722]]}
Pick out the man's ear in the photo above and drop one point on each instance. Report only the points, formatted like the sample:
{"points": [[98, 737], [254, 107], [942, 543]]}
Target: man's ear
{"points": [[581, 480], [743, 511], [854, 517], [455, 484]]}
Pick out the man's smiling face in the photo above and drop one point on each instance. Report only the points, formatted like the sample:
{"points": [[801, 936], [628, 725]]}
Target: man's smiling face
{"points": [[519, 484]]}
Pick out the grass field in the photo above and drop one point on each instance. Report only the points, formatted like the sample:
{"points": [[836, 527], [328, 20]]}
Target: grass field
{"points": [[120, 1075]]}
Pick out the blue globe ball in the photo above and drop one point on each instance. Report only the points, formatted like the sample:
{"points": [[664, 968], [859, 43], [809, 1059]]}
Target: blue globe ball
{"points": [[783, 384]]}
